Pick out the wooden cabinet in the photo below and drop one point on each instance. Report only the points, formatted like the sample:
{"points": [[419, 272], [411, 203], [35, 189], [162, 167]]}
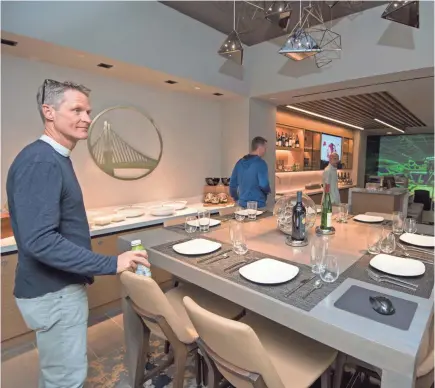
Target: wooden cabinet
{"points": [[12, 323]]}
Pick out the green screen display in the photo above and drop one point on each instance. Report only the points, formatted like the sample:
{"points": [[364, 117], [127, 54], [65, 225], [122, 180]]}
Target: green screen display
{"points": [[409, 155]]}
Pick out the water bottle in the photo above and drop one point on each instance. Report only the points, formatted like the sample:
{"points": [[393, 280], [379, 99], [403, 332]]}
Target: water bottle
{"points": [[136, 245]]}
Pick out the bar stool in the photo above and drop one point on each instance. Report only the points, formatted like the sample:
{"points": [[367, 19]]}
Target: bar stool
{"points": [[259, 353], [164, 315]]}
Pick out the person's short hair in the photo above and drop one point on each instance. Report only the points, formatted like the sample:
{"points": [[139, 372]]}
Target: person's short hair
{"points": [[256, 142], [51, 93]]}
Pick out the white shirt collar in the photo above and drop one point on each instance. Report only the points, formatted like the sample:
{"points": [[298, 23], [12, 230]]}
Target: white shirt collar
{"points": [[57, 147]]}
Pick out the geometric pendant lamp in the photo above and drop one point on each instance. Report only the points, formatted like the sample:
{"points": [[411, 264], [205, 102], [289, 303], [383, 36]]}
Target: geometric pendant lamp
{"points": [[299, 45], [403, 12], [279, 13], [232, 48]]}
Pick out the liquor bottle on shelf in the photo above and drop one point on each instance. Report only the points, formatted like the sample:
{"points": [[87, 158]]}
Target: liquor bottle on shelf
{"points": [[286, 140], [299, 219], [297, 145], [282, 139], [326, 220], [290, 142], [277, 139]]}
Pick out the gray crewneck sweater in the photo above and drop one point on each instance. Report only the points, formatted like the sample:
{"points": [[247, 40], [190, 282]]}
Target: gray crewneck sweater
{"points": [[50, 225]]}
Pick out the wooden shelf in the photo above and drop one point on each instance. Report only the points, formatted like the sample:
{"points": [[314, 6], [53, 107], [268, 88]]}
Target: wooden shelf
{"points": [[279, 148]]}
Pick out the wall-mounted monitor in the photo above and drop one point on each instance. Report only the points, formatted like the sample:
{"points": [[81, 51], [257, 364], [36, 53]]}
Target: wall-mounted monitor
{"points": [[329, 145]]}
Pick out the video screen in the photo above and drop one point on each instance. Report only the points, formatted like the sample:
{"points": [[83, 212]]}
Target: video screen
{"points": [[330, 144]]}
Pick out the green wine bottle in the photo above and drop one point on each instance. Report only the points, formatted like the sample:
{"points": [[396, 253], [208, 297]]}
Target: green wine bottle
{"points": [[326, 221]]}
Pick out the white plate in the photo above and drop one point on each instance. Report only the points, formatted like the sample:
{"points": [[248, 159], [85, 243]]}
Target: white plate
{"points": [[368, 219], [131, 211], [418, 240], [398, 266], [197, 246], [102, 220], [118, 217], [162, 210], [269, 271], [244, 212], [177, 205], [212, 222]]}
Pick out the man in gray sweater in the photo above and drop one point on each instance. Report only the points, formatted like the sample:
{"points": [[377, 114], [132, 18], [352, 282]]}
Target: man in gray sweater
{"points": [[55, 261]]}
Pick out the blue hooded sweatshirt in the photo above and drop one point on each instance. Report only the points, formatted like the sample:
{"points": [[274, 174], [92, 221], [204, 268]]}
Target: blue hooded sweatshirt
{"points": [[250, 181]]}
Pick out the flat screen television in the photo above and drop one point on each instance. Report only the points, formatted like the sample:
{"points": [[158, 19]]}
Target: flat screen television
{"points": [[329, 145]]}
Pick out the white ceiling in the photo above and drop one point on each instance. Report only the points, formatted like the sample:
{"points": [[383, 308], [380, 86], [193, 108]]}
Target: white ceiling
{"points": [[64, 56]]}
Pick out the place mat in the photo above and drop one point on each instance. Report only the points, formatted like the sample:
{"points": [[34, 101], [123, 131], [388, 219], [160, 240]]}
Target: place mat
{"points": [[356, 300], [425, 282], [265, 214], [297, 288]]}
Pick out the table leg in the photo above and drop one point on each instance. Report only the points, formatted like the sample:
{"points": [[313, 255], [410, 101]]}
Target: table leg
{"points": [[136, 337], [395, 380]]}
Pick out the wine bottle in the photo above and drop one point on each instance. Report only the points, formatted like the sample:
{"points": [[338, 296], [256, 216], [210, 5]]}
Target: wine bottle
{"points": [[326, 221], [299, 219], [286, 140], [290, 141], [277, 139], [281, 140], [297, 145]]}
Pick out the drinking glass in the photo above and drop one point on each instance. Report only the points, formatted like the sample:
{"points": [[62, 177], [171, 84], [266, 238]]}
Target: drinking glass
{"points": [[388, 243], [410, 225], [330, 269], [239, 214], [342, 212], [374, 237], [191, 224], [204, 220], [252, 210], [318, 250], [238, 238], [397, 222]]}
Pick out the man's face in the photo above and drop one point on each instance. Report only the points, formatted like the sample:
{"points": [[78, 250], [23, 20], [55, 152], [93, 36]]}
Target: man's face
{"points": [[262, 148], [334, 159], [71, 119]]}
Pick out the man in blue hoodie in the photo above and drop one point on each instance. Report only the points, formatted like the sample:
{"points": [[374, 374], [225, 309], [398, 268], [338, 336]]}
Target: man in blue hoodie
{"points": [[250, 180]]}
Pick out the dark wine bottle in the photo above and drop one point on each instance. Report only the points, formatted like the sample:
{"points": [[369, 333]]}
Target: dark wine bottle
{"points": [[298, 219], [326, 221]]}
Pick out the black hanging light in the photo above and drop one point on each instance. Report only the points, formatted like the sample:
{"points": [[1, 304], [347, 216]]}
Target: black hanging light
{"points": [[232, 47], [403, 12], [279, 13]]}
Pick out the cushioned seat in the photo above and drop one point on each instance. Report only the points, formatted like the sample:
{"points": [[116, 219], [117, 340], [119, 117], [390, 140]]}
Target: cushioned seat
{"points": [[299, 360]]}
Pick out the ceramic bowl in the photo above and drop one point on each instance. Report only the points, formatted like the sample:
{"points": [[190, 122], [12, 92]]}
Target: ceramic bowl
{"points": [[226, 181]]}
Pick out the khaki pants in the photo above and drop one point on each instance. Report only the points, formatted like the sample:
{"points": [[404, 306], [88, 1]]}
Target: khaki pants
{"points": [[60, 321]]}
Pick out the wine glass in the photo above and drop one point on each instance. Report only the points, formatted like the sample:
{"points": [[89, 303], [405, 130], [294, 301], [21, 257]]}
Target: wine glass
{"points": [[330, 269], [238, 238], [410, 225], [191, 224], [388, 243], [374, 237]]}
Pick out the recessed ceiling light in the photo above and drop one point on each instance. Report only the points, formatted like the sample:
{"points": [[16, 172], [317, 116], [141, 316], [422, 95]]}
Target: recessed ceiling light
{"points": [[8, 42], [197, 88], [389, 133], [389, 125], [105, 65], [217, 94], [324, 117], [170, 82]]}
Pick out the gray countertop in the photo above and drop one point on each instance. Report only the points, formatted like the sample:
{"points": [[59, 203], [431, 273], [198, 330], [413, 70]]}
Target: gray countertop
{"points": [[391, 349], [393, 191]]}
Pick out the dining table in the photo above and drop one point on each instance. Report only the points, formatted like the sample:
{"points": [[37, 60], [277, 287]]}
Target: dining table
{"points": [[389, 343]]}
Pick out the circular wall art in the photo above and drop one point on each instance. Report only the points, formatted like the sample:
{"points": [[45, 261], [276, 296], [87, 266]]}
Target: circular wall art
{"points": [[125, 143]]}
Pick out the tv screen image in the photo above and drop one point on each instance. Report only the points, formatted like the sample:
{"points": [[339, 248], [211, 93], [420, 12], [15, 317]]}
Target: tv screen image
{"points": [[330, 144]]}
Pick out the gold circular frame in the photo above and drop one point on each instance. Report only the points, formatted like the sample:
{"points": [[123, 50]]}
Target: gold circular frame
{"points": [[124, 107]]}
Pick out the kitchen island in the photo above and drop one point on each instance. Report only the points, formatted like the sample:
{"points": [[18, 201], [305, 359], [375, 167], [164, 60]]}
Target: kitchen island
{"points": [[381, 201], [391, 349]]}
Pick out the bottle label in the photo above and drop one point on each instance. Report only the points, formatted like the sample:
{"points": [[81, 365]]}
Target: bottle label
{"points": [[142, 270], [328, 220]]}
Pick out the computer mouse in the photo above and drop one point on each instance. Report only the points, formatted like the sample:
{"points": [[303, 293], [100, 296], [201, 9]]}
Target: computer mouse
{"points": [[382, 305]]}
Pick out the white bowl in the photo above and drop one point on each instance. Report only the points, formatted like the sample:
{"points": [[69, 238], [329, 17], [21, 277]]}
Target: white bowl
{"points": [[177, 205], [161, 210]]}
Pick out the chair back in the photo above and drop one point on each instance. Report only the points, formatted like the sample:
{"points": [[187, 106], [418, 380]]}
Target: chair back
{"points": [[235, 349], [422, 196], [151, 304]]}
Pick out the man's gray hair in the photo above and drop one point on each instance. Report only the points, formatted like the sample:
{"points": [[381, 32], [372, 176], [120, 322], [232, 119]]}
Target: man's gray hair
{"points": [[51, 93]]}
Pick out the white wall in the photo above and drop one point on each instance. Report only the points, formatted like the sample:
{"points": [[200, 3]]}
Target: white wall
{"points": [[144, 33], [190, 127], [371, 47]]}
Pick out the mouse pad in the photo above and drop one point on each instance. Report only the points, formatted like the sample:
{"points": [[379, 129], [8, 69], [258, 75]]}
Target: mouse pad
{"points": [[356, 301]]}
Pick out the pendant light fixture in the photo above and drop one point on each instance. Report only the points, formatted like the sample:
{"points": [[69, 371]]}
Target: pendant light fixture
{"points": [[232, 47], [403, 12], [279, 13], [300, 44]]}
